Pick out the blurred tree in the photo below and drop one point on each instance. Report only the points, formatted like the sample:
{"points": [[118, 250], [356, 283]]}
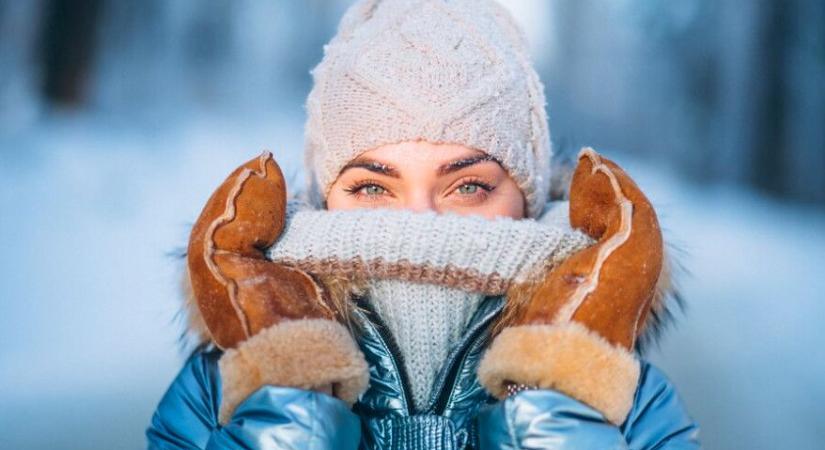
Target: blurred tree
{"points": [[720, 90], [804, 79], [769, 115], [68, 41]]}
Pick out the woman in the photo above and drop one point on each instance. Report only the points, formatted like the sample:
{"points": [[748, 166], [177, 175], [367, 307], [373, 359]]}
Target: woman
{"points": [[431, 297]]}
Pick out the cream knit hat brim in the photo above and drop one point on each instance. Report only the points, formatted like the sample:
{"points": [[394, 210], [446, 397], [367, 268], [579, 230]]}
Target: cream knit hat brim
{"points": [[453, 72]]}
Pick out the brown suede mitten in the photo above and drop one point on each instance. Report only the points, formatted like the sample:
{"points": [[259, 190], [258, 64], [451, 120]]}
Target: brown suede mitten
{"points": [[577, 332], [271, 320]]}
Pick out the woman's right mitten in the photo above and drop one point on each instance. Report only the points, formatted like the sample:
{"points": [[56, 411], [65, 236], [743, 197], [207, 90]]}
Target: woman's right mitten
{"points": [[271, 320]]}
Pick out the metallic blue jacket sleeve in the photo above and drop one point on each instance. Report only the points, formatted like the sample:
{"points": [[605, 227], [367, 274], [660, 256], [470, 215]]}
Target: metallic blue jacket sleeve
{"points": [[546, 419], [271, 418]]}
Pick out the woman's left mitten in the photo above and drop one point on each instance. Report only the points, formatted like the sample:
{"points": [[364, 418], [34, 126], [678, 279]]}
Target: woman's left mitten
{"points": [[578, 330], [271, 320]]}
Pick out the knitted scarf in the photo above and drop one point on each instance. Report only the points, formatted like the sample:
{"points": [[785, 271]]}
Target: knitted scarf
{"points": [[425, 273]]}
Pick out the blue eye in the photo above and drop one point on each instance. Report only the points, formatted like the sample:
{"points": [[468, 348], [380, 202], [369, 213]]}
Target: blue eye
{"points": [[474, 187], [468, 189], [373, 189], [367, 190]]}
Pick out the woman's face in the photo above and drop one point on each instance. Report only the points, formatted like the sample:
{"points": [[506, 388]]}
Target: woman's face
{"points": [[420, 176]]}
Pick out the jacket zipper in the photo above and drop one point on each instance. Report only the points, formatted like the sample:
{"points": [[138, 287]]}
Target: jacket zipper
{"points": [[379, 329], [439, 403]]}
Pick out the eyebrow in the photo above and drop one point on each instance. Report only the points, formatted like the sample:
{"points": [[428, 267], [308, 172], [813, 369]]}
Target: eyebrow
{"points": [[462, 163], [444, 169], [372, 166]]}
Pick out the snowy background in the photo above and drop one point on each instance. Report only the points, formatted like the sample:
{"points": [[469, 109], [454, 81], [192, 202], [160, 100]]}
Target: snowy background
{"points": [[112, 142]]}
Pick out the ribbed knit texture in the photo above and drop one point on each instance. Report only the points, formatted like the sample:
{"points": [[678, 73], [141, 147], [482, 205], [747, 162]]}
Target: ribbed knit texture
{"points": [[453, 72], [425, 320], [467, 252], [426, 273]]}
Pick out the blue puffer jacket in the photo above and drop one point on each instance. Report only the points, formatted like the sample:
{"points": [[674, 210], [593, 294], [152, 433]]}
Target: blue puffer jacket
{"points": [[460, 415]]}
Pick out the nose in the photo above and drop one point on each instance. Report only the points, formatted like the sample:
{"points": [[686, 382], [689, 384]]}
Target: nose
{"points": [[420, 202]]}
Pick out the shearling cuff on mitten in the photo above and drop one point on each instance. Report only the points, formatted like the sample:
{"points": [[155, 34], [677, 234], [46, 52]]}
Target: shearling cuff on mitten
{"points": [[568, 358], [307, 354]]}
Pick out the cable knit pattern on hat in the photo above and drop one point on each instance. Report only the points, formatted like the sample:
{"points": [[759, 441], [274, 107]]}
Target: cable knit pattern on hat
{"points": [[453, 72]]}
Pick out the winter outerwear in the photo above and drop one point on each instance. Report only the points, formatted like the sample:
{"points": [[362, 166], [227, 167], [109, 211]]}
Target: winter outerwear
{"points": [[455, 72], [459, 415], [285, 351], [267, 314]]}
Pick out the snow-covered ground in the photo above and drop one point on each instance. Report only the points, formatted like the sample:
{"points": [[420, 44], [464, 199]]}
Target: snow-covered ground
{"points": [[92, 210]]}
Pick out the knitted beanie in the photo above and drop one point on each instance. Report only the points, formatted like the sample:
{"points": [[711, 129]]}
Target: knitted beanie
{"points": [[455, 72]]}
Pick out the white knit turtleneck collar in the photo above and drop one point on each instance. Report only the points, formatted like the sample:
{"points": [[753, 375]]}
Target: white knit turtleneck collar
{"points": [[426, 321], [426, 273]]}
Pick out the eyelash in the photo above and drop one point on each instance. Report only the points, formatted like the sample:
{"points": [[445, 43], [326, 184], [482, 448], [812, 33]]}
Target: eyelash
{"points": [[487, 187], [356, 188]]}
